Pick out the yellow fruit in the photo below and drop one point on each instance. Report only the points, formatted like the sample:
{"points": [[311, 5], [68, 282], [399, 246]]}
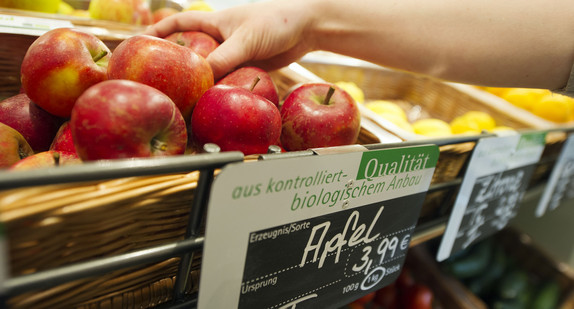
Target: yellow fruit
{"points": [[46, 6], [555, 107], [432, 127], [65, 9], [353, 90], [81, 13], [499, 91], [386, 107], [524, 97], [199, 5], [398, 121], [460, 125]]}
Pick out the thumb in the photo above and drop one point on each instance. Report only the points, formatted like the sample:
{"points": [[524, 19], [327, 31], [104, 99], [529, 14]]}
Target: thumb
{"points": [[227, 56]]}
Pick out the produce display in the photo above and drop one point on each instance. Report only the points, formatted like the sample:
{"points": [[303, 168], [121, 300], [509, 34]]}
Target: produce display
{"points": [[540, 102], [157, 97], [490, 272], [412, 119], [132, 12], [135, 12]]}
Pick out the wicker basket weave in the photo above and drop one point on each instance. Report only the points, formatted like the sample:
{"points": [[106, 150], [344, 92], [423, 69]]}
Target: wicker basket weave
{"points": [[56, 225]]}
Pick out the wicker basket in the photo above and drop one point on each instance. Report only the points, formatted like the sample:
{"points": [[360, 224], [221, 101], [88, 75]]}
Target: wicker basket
{"points": [[427, 97], [56, 225]]}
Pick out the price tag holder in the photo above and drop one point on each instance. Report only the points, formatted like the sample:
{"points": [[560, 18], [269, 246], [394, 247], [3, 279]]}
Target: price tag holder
{"points": [[311, 232], [496, 179], [30, 25], [560, 185]]}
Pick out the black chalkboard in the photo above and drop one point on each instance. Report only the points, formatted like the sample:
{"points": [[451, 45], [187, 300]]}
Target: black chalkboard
{"points": [[494, 201], [279, 272]]}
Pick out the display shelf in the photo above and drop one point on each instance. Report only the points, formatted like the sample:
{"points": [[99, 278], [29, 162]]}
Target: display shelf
{"points": [[171, 263], [193, 241]]}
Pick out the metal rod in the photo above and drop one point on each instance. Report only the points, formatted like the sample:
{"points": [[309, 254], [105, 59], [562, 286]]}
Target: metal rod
{"points": [[109, 169], [52, 277], [445, 185], [199, 204], [428, 231], [193, 228]]}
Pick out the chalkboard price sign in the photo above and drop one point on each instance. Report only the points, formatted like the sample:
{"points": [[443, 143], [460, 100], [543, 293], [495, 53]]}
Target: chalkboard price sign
{"points": [[493, 202], [498, 174], [337, 256], [312, 232], [560, 186]]}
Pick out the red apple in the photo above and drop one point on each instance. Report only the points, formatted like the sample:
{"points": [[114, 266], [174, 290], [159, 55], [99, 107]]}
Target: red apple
{"points": [[234, 118], [36, 125], [162, 13], [60, 65], [200, 42], [48, 158], [125, 119], [135, 12], [243, 77], [175, 70], [13, 146], [315, 116], [63, 140]]}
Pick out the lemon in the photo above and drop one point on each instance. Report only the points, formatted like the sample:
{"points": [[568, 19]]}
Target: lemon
{"points": [[524, 97], [65, 9], [353, 90], [386, 107], [81, 13], [398, 121], [555, 107], [432, 127], [472, 122], [461, 125], [498, 91], [199, 5]]}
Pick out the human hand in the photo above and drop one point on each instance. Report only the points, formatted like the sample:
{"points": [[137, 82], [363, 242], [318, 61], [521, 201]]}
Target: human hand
{"points": [[269, 35]]}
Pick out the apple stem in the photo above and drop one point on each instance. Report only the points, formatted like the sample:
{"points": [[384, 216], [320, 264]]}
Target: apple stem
{"points": [[158, 145], [100, 55], [255, 81], [56, 156], [180, 42], [329, 95]]}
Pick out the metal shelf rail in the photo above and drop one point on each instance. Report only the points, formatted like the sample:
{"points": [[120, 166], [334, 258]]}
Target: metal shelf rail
{"points": [[193, 242]]}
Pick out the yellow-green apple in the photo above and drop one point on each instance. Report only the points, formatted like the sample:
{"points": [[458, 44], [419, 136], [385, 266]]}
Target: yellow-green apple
{"points": [[60, 65], [135, 12], [46, 6], [316, 115], [126, 119], [234, 118], [13, 146], [36, 125], [49, 158], [200, 42], [162, 13], [244, 77], [63, 141], [175, 70]]}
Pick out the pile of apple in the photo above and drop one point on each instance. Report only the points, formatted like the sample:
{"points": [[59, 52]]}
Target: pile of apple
{"points": [[156, 97]]}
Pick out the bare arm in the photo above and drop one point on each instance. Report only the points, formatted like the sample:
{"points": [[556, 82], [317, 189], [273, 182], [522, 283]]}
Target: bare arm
{"points": [[489, 42]]}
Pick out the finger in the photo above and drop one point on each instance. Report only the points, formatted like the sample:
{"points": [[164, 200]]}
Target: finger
{"points": [[229, 55], [186, 21], [281, 60]]}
